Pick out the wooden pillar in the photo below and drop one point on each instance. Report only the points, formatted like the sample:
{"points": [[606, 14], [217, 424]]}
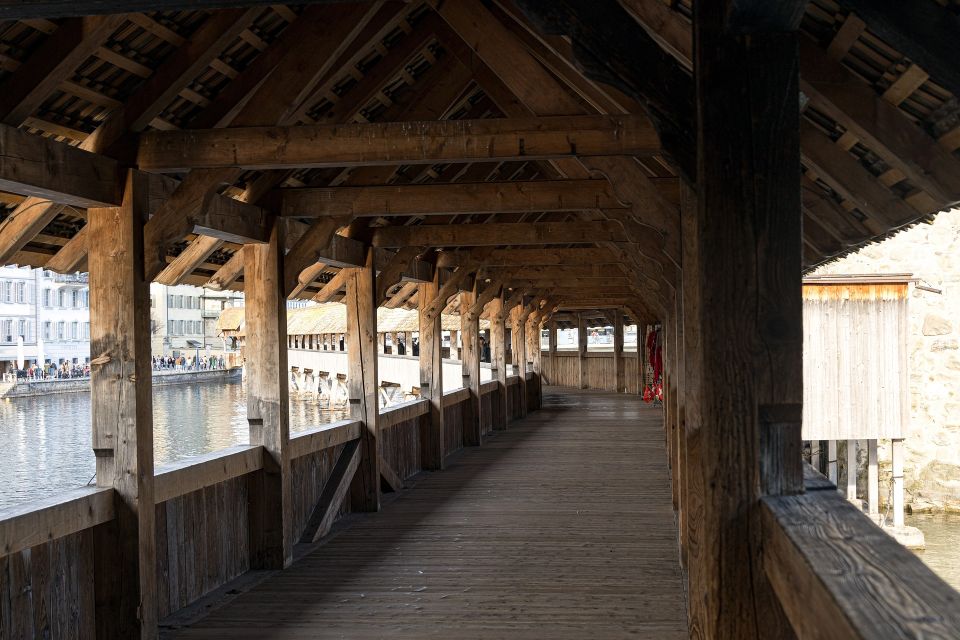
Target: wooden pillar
{"points": [[125, 580], [582, 349], [362, 391], [536, 364], [498, 360], [873, 479], [431, 376], [896, 452], [519, 324], [618, 369], [552, 352], [749, 226], [693, 478], [268, 410], [470, 332], [641, 355]]}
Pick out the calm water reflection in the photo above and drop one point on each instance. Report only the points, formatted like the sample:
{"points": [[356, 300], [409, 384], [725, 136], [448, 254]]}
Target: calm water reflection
{"points": [[942, 532], [45, 441]]}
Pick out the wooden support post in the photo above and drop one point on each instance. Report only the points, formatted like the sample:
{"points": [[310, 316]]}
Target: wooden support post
{"points": [[873, 479], [851, 469], [362, 381], [693, 478], [432, 438], [582, 349], [122, 416], [536, 365], [896, 452], [641, 355], [498, 359], [750, 257], [815, 454], [618, 369], [268, 410], [552, 352], [833, 471], [470, 330], [519, 333]]}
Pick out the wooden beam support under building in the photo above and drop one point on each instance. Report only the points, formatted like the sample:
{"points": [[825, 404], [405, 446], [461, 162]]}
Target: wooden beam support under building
{"points": [[125, 582], [432, 436], [392, 143], [749, 256], [450, 198], [362, 381], [265, 318]]}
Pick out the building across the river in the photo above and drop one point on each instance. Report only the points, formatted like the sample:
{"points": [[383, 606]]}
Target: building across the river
{"points": [[44, 317]]}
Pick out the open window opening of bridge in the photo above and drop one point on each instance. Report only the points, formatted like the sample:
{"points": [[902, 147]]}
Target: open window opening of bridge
{"points": [[507, 305]]}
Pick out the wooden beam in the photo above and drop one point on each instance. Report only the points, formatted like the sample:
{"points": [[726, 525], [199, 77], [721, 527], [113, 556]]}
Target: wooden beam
{"points": [[452, 198], [308, 250], [424, 142], [534, 257], [44, 168], [401, 296], [334, 286], [125, 560], [391, 272], [494, 234], [265, 318], [749, 250], [498, 355], [391, 479], [227, 274], [334, 491], [189, 259], [362, 381]]}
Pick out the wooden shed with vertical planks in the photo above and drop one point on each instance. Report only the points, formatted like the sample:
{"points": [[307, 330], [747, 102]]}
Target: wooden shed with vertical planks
{"points": [[526, 162]]}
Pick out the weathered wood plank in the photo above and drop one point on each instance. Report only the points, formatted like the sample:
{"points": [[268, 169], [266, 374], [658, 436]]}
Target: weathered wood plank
{"points": [[40, 521], [432, 438], [195, 473], [327, 436]]}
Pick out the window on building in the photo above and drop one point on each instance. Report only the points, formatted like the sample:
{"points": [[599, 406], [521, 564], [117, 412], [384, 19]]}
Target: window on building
{"points": [[62, 299], [86, 331], [7, 292], [171, 327], [61, 328], [179, 302], [7, 333], [74, 330], [22, 329], [169, 301], [46, 330], [75, 298], [21, 292], [46, 298]]}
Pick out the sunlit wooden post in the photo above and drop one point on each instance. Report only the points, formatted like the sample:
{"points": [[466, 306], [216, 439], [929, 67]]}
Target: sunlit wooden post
{"points": [[470, 332], [432, 449], [519, 329], [582, 349], [533, 355], [122, 416], [498, 359], [362, 381], [265, 316]]}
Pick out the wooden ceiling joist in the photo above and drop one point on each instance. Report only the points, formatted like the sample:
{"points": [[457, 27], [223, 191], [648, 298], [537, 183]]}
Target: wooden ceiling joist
{"points": [[500, 139], [451, 198], [496, 234]]}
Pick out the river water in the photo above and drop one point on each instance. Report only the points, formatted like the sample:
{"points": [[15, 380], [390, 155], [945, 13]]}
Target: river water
{"points": [[942, 533], [45, 440]]}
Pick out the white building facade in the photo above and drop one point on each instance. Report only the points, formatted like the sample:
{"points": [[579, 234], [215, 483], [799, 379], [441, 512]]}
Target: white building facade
{"points": [[44, 316], [183, 319]]}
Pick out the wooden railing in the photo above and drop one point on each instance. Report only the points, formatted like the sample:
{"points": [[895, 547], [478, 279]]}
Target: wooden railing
{"points": [[562, 369], [47, 562], [838, 575]]}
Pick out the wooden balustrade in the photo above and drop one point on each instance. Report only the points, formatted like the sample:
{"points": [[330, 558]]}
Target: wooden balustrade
{"points": [[562, 369], [47, 559]]}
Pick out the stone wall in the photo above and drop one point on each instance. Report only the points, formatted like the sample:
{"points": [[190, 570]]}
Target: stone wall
{"points": [[931, 252]]}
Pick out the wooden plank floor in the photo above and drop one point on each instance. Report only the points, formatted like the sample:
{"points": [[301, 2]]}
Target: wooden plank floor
{"points": [[561, 527]]}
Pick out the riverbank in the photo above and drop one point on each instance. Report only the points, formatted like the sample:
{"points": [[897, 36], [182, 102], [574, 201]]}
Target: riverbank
{"points": [[29, 388]]}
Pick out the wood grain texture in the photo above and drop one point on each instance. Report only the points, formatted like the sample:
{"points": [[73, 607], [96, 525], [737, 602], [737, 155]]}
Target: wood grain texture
{"points": [[485, 550]]}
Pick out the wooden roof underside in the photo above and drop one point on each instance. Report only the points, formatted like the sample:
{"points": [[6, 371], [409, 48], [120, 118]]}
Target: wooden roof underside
{"points": [[879, 137]]}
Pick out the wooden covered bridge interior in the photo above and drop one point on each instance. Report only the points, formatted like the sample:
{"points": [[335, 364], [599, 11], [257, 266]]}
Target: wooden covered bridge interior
{"points": [[661, 162]]}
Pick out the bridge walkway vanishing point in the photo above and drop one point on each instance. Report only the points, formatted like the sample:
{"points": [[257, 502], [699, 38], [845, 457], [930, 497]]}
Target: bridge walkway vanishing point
{"points": [[560, 527]]}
